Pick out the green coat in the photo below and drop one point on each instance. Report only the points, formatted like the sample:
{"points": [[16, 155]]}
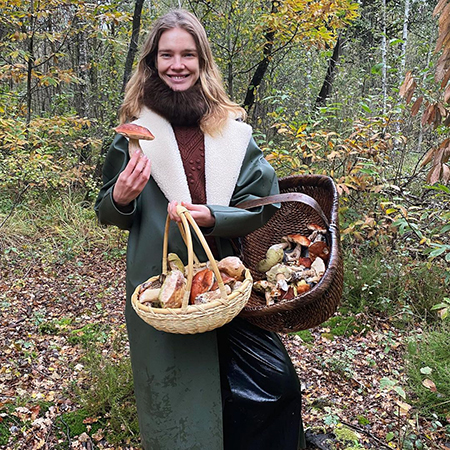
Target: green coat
{"points": [[176, 377]]}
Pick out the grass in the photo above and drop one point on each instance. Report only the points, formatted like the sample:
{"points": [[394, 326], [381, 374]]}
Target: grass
{"points": [[109, 395], [428, 366], [392, 283], [59, 229]]}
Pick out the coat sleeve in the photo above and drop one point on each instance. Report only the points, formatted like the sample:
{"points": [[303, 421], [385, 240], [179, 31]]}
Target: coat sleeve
{"points": [[257, 179], [107, 211]]}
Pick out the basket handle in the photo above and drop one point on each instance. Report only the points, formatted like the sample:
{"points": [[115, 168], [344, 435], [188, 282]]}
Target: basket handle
{"points": [[186, 220], [286, 197]]}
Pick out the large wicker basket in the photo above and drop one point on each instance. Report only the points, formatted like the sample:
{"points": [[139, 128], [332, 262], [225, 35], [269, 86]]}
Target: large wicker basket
{"points": [[304, 199], [192, 319]]}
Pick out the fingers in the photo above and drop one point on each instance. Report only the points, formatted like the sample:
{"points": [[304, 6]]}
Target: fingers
{"points": [[201, 214], [172, 211], [132, 180]]}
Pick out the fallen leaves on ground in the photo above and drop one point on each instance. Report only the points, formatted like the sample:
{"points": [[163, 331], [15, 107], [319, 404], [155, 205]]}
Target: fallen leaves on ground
{"points": [[353, 385]]}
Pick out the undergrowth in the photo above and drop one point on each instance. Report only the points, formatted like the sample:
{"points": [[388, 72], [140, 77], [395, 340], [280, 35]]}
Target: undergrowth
{"points": [[428, 366], [392, 283], [107, 393], [57, 229]]}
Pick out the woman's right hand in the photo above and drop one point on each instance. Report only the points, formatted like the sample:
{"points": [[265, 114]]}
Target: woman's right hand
{"points": [[132, 180]]}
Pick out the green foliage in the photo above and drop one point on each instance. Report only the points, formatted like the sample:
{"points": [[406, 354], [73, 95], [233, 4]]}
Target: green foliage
{"points": [[65, 226], [73, 423], [391, 282], [108, 395], [89, 334], [341, 362], [428, 366], [49, 156], [344, 326]]}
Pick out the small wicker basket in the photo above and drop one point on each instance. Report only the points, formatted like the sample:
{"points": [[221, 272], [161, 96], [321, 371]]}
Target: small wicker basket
{"points": [[304, 199], [192, 319]]}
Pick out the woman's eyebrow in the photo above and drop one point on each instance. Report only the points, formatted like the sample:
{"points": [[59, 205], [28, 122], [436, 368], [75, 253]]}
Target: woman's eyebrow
{"points": [[184, 50]]}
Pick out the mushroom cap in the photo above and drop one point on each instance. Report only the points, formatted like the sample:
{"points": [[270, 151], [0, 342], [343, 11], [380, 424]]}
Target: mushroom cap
{"points": [[297, 239], [314, 227], [201, 283], [133, 131], [319, 249]]}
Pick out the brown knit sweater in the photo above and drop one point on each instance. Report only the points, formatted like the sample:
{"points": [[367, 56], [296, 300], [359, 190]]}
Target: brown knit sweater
{"points": [[191, 144]]}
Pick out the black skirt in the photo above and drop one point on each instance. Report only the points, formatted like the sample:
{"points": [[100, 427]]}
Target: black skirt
{"points": [[261, 394]]}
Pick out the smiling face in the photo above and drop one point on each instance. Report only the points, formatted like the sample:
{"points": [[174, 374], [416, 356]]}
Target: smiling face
{"points": [[177, 59]]}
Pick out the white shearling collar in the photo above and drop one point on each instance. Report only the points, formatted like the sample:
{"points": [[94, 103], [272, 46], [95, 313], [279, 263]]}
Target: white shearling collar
{"points": [[223, 159]]}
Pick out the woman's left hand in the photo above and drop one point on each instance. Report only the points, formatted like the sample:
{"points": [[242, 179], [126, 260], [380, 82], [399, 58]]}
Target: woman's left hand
{"points": [[200, 213]]}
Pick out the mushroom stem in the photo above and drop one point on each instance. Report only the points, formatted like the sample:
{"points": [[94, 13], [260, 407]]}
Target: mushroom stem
{"points": [[134, 146]]}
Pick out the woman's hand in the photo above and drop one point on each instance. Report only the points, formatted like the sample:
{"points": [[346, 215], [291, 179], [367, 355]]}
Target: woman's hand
{"points": [[200, 213], [132, 180]]}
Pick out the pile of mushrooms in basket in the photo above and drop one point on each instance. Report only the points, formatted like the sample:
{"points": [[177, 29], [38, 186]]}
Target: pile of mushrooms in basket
{"points": [[168, 290], [293, 266]]}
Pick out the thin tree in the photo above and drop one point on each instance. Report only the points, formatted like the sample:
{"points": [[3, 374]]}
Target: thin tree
{"points": [[132, 49], [327, 85]]}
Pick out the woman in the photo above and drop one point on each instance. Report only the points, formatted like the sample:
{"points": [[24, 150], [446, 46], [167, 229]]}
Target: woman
{"points": [[232, 388]]}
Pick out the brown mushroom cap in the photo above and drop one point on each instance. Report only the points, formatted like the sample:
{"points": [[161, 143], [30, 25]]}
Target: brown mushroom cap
{"points": [[314, 227], [298, 239], [133, 131], [319, 249], [201, 283]]}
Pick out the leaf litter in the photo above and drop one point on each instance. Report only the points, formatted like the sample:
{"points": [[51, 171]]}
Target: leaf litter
{"points": [[353, 384]]}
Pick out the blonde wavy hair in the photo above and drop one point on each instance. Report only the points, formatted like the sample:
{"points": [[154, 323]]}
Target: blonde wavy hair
{"points": [[219, 105]]}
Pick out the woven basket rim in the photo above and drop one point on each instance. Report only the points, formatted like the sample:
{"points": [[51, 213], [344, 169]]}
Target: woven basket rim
{"points": [[334, 262]]}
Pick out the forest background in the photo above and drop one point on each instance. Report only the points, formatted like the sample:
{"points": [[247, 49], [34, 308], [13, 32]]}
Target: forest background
{"points": [[357, 90]]}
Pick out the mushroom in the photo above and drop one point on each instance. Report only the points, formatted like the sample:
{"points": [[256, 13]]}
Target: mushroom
{"points": [[175, 262], [274, 255], [150, 296], [297, 239], [134, 132], [273, 275], [233, 267], [319, 250], [172, 290], [266, 288], [297, 252], [318, 232], [201, 283], [302, 287], [305, 262], [227, 280], [319, 266], [210, 296]]}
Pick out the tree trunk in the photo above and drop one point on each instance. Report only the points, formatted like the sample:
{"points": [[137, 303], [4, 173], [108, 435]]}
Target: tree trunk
{"points": [[405, 39], [30, 64], [132, 49], [384, 58], [327, 86], [262, 66]]}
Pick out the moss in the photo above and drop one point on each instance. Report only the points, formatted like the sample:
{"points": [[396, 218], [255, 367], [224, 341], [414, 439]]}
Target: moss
{"points": [[345, 434], [72, 423], [305, 336]]}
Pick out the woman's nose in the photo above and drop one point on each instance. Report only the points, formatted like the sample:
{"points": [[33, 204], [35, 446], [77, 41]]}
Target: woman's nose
{"points": [[177, 63]]}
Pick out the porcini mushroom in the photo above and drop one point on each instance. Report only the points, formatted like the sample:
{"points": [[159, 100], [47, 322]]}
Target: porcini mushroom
{"points": [[274, 255], [172, 290], [233, 267], [134, 132]]}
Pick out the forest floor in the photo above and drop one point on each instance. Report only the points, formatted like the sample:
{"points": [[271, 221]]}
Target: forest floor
{"points": [[353, 381]]}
